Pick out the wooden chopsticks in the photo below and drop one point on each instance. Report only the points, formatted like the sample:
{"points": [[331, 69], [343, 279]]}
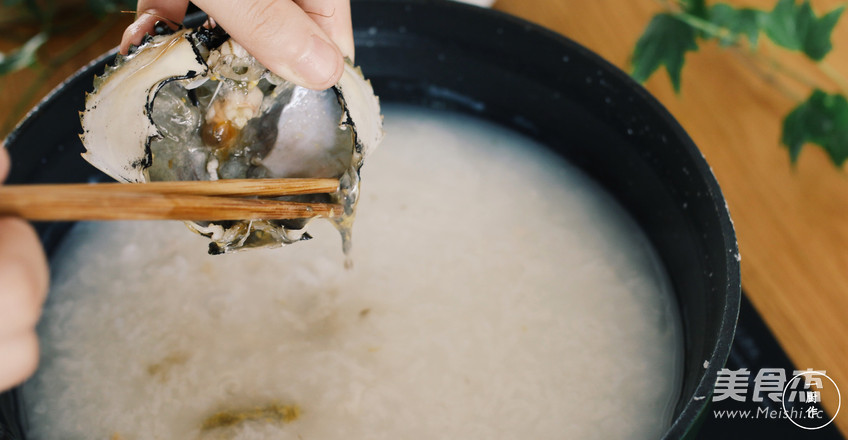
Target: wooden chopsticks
{"points": [[185, 200]]}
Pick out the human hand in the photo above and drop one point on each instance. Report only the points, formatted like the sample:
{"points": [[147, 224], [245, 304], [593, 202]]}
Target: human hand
{"points": [[303, 41], [23, 288]]}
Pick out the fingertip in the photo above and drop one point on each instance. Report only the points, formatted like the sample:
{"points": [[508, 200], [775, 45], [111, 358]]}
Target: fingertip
{"points": [[336, 76], [22, 256], [333, 17], [5, 162], [126, 41], [24, 272], [134, 33], [345, 44], [20, 355], [145, 24], [321, 66]]}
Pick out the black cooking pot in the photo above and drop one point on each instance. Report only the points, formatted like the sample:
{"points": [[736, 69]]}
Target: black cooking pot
{"points": [[494, 66]]}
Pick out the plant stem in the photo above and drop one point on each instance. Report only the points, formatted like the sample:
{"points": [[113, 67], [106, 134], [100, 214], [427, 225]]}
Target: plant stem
{"points": [[721, 33], [835, 76], [768, 77], [775, 64], [705, 26]]}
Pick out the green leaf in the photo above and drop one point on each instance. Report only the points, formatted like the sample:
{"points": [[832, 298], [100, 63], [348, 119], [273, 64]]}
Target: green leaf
{"points": [[785, 24], [744, 21], [665, 42], [11, 2], [698, 8], [822, 120], [24, 56], [796, 27], [817, 44]]}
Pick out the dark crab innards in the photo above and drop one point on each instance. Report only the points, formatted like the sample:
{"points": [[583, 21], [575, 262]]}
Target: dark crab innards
{"points": [[194, 105]]}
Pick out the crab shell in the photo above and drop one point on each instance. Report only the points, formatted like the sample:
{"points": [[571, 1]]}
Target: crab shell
{"points": [[117, 123], [118, 128]]}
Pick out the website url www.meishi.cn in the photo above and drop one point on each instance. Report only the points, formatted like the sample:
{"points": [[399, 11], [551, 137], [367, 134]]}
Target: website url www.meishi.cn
{"points": [[766, 413]]}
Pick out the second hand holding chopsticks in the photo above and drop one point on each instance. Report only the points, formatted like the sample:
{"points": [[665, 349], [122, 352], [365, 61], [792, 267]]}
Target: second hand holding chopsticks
{"points": [[178, 200]]}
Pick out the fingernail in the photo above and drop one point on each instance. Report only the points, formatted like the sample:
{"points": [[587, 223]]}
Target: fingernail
{"points": [[319, 64]]}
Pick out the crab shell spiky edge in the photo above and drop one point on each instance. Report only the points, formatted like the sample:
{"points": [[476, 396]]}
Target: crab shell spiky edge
{"points": [[361, 109], [117, 121]]}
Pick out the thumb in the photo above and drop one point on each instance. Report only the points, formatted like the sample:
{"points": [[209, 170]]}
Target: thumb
{"points": [[282, 37], [4, 162]]}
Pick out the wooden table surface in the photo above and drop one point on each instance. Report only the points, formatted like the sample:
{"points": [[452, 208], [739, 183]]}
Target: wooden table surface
{"points": [[792, 221]]}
